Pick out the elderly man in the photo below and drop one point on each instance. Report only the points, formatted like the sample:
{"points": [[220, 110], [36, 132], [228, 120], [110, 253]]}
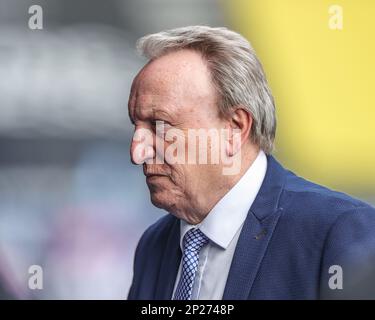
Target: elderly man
{"points": [[255, 232]]}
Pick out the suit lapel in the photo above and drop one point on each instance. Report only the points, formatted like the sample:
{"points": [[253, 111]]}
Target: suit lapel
{"points": [[169, 264], [256, 234], [251, 247]]}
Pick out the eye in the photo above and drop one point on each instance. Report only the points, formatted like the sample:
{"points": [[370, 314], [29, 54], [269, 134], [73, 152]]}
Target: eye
{"points": [[161, 127]]}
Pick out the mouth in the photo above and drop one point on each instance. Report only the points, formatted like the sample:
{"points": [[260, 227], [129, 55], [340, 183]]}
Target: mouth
{"points": [[152, 173], [151, 176]]}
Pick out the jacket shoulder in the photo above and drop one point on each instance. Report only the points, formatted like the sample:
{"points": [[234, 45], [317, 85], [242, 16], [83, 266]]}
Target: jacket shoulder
{"points": [[158, 232], [308, 198], [149, 253]]}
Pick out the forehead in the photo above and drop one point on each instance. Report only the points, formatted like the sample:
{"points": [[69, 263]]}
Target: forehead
{"points": [[174, 81], [152, 105]]}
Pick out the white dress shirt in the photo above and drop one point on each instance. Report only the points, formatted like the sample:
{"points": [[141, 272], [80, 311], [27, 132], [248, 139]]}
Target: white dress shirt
{"points": [[223, 226]]}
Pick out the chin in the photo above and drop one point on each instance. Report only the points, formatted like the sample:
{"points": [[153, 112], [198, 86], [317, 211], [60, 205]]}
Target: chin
{"points": [[158, 199], [162, 200]]}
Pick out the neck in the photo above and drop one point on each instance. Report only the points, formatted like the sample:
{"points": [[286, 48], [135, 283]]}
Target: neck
{"points": [[207, 201]]}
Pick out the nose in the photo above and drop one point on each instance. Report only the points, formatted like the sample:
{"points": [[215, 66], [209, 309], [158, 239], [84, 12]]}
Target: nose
{"points": [[142, 146]]}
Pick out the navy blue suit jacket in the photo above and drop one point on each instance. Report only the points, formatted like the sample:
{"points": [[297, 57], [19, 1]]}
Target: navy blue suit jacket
{"points": [[294, 231]]}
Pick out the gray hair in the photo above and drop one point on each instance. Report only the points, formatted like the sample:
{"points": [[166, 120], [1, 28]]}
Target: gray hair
{"points": [[236, 72]]}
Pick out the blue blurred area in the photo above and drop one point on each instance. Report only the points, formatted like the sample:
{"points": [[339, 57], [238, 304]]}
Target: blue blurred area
{"points": [[78, 214], [70, 200]]}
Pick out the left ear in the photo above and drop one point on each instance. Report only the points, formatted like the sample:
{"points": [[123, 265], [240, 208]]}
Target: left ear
{"points": [[240, 122]]}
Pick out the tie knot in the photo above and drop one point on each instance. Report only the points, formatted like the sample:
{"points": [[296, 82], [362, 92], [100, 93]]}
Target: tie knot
{"points": [[194, 240]]}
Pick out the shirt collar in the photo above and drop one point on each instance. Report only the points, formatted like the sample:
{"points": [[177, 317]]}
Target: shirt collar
{"points": [[228, 215]]}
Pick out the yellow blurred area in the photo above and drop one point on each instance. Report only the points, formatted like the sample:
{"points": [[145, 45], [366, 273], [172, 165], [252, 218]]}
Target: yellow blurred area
{"points": [[323, 83]]}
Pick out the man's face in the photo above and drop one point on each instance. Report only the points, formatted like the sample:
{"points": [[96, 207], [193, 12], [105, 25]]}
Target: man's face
{"points": [[175, 89]]}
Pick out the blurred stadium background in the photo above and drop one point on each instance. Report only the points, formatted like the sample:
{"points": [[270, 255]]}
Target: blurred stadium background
{"points": [[71, 201]]}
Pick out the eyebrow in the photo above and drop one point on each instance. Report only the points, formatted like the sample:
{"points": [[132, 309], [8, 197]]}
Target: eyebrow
{"points": [[155, 115], [162, 114]]}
